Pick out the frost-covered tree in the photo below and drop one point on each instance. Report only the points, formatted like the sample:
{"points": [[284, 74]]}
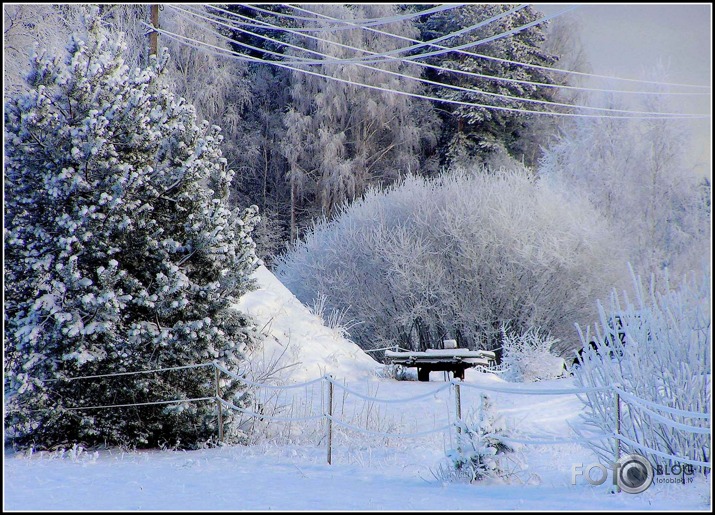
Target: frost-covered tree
{"points": [[663, 357], [342, 138], [121, 254], [478, 134], [480, 451], [458, 257], [216, 87], [25, 26], [261, 166], [227, 92], [635, 172]]}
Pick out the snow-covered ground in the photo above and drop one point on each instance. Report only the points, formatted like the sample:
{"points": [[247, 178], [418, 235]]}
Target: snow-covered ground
{"points": [[297, 338], [287, 469]]}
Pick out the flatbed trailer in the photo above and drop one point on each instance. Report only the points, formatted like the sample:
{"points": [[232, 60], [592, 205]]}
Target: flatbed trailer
{"points": [[450, 360]]}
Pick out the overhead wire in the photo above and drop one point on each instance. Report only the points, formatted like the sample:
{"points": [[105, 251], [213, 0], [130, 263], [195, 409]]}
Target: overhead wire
{"points": [[268, 26], [410, 59], [367, 22], [461, 31], [419, 79], [354, 24], [200, 45], [529, 65]]}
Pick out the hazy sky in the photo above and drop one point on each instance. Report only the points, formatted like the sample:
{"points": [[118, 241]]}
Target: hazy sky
{"points": [[631, 40]]}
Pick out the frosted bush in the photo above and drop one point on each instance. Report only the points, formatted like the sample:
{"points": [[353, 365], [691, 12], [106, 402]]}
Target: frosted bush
{"points": [[457, 257], [528, 358], [335, 319], [663, 357]]}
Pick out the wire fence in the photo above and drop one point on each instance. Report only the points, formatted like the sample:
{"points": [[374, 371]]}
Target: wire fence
{"points": [[270, 404]]}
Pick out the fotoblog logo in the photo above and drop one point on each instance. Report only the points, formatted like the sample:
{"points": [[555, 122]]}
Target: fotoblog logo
{"points": [[632, 473]]}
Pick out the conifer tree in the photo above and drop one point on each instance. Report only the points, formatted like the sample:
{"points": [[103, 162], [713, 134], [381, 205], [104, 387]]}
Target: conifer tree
{"points": [[478, 134], [121, 254]]}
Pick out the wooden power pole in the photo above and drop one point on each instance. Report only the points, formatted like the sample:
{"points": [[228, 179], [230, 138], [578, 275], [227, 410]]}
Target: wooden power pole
{"points": [[153, 36]]}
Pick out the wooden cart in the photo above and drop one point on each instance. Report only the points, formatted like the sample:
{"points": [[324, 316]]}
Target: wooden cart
{"points": [[451, 360]]}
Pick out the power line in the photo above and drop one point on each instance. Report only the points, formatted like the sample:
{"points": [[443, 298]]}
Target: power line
{"points": [[419, 56], [225, 52], [459, 32], [411, 59], [418, 79], [366, 22], [354, 24], [268, 26]]}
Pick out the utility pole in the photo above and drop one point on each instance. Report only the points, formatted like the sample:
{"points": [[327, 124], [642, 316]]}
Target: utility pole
{"points": [[153, 36]]}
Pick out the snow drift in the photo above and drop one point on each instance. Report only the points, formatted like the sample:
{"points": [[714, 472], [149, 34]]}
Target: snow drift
{"points": [[297, 339]]}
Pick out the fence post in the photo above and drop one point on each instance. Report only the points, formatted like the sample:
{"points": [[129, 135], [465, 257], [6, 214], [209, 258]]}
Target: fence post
{"points": [[617, 443], [330, 419], [458, 401], [218, 406]]}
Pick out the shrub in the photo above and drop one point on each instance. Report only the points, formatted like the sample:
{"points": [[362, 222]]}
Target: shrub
{"points": [[528, 358], [458, 257], [479, 448], [662, 357]]}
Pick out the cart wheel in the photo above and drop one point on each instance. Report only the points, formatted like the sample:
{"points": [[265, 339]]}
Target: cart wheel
{"points": [[423, 374]]}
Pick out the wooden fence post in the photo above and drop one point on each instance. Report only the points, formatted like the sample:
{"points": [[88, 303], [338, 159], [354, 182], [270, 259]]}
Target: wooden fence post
{"points": [[617, 443], [218, 406], [330, 420], [458, 401]]}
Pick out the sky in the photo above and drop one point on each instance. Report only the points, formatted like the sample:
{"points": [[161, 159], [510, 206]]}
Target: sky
{"points": [[630, 40], [377, 460]]}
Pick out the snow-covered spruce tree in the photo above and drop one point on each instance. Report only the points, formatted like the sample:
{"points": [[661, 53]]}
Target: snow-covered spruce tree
{"points": [[477, 134], [479, 448], [663, 356], [120, 255]]}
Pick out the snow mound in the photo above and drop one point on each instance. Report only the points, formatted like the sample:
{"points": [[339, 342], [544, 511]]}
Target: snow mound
{"points": [[297, 343]]}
